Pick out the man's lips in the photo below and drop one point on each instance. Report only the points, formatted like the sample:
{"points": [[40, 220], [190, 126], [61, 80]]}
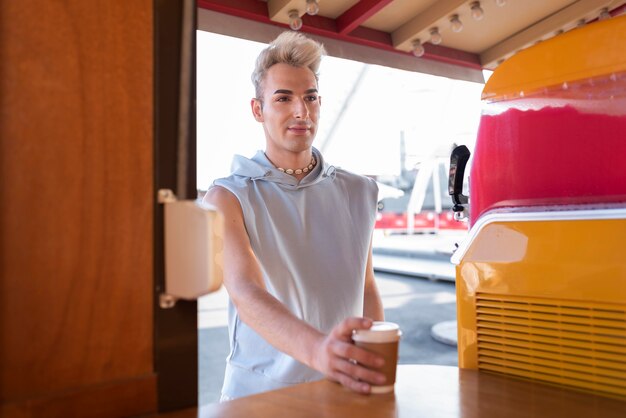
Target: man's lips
{"points": [[299, 128]]}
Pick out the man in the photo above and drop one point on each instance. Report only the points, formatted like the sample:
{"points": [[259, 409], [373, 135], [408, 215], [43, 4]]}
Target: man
{"points": [[297, 244]]}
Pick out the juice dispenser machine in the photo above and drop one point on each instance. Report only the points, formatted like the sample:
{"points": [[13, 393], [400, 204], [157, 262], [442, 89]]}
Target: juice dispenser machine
{"points": [[541, 277]]}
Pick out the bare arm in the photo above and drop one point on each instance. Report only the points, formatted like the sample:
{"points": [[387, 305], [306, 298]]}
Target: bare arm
{"points": [[372, 304], [329, 354]]}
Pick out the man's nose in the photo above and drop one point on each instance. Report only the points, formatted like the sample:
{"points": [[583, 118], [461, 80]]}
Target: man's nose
{"points": [[301, 109]]}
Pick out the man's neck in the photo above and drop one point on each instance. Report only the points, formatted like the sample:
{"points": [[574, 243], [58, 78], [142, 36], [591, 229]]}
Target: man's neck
{"points": [[296, 164]]}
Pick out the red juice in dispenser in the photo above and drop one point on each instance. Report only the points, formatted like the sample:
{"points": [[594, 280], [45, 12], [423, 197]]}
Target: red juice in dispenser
{"points": [[557, 141]]}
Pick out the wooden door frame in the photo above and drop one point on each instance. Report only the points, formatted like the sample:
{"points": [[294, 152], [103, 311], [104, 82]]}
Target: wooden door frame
{"points": [[175, 328]]}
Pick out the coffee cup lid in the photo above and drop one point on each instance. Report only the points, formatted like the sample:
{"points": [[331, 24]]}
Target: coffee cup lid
{"points": [[379, 332]]}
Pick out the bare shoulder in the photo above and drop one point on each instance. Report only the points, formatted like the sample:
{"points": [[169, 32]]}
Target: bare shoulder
{"points": [[225, 202], [221, 198]]}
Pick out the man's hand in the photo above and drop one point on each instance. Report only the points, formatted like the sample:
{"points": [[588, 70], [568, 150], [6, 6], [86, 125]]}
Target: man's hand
{"points": [[340, 360]]}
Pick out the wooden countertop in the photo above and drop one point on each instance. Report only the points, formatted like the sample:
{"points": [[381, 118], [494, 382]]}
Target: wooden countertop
{"points": [[421, 391]]}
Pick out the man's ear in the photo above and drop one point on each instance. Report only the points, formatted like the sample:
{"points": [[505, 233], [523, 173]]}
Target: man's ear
{"points": [[257, 110]]}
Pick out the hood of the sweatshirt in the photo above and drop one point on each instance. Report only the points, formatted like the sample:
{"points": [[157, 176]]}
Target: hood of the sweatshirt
{"points": [[259, 168]]}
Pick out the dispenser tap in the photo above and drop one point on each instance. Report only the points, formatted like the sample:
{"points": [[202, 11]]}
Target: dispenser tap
{"points": [[458, 160]]}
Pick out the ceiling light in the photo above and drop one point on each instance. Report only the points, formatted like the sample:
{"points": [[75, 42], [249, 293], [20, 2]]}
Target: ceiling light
{"points": [[435, 36], [477, 11], [312, 7], [500, 3], [295, 23], [604, 14], [418, 48], [455, 23]]}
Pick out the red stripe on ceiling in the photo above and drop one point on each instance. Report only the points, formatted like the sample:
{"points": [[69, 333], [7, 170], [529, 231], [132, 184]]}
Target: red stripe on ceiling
{"points": [[358, 14], [373, 35], [618, 10], [248, 9], [323, 26], [452, 56]]}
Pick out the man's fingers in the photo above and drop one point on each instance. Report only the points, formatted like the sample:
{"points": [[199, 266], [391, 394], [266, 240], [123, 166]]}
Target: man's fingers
{"points": [[358, 372], [345, 327], [350, 365], [350, 383], [348, 351]]}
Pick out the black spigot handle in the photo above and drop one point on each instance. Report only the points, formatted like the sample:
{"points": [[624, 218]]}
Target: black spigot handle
{"points": [[458, 160]]}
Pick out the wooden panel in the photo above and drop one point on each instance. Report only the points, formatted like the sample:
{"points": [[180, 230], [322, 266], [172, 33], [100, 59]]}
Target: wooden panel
{"points": [[421, 391], [125, 398], [76, 186]]}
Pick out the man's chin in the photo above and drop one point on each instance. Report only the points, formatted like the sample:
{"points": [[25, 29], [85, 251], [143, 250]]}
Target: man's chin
{"points": [[302, 141]]}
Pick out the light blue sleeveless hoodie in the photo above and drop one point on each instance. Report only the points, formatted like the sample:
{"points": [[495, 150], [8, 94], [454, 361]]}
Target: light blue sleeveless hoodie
{"points": [[311, 238]]}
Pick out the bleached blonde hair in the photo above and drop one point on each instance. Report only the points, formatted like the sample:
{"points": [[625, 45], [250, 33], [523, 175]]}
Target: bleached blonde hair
{"points": [[291, 48]]}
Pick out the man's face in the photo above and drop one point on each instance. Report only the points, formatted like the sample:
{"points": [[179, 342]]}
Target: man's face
{"points": [[290, 108]]}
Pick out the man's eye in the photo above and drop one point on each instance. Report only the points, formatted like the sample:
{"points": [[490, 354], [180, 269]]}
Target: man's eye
{"points": [[311, 98], [282, 99]]}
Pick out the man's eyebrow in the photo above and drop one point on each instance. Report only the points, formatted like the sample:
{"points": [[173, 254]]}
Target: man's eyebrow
{"points": [[283, 91]]}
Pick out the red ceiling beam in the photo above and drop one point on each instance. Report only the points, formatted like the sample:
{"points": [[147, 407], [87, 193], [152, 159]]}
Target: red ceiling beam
{"points": [[323, 26], [247, 9], [358, 14], [451, 56], [618, 10], [326, 27]]}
